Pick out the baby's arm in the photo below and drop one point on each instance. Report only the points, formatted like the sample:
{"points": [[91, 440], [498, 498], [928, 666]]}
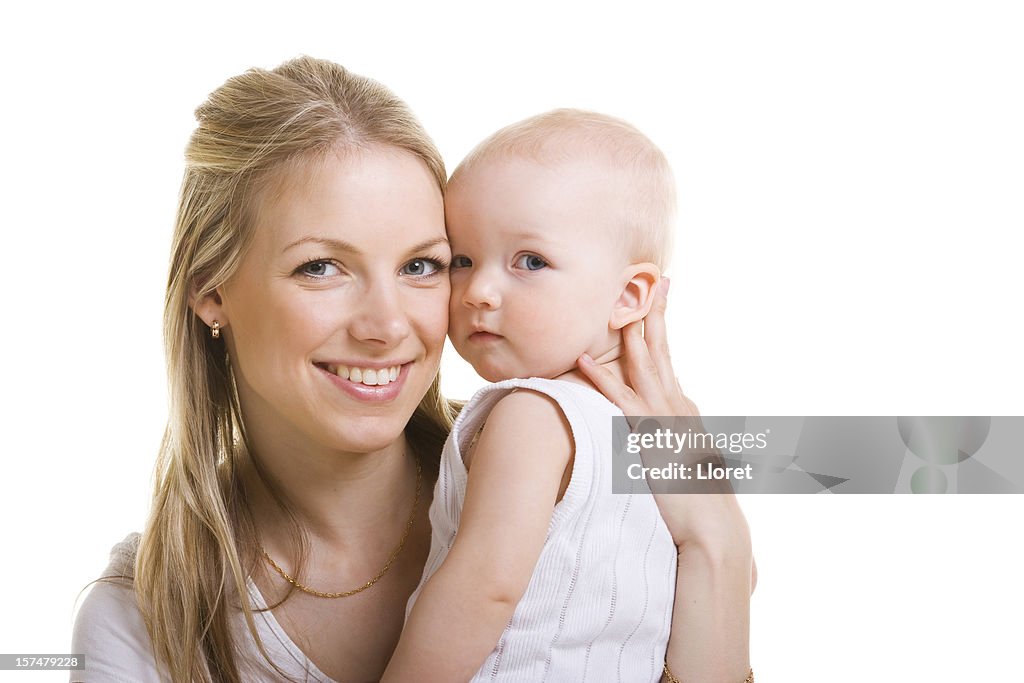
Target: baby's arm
{"points": [[515, 478]]}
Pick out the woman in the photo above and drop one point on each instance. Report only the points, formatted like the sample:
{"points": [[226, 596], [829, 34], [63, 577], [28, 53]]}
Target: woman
{"points": [[310, 251]]}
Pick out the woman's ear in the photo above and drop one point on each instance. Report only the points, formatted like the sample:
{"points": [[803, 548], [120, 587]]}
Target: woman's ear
{"points": [[209, 307], [641, 282]]}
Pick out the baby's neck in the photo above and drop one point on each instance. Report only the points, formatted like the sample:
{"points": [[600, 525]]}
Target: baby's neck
{"points": [[611, 361]]}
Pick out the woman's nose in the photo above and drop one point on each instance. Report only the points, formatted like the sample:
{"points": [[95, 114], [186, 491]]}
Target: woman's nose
{"points": [[481, 291], [381, 317]]}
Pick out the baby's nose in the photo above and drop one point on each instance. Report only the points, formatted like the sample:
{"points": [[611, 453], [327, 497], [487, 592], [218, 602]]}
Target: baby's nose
{"points": [[481, 292]]}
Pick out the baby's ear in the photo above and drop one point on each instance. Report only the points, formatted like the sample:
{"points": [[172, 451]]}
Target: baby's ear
{"points": [[640, 283]]}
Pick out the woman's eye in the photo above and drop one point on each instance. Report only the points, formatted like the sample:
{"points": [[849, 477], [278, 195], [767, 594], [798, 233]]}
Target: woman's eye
{"points": [[461, 262], [531, 262], [319, 269], [422, 267]]}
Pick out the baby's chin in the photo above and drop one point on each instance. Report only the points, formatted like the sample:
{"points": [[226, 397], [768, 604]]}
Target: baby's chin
{"points": [[500, 374], [492, 374]]}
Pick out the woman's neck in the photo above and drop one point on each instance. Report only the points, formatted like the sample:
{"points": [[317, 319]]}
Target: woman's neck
{"points": [[338, 498]]}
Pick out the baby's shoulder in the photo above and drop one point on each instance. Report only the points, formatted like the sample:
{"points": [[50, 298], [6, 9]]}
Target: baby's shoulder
{"points": [[526, 410], [514, 413], [530, 395]]}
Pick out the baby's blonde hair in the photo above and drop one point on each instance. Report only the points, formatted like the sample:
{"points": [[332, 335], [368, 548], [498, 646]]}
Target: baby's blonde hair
{"points": [[647, 214]]}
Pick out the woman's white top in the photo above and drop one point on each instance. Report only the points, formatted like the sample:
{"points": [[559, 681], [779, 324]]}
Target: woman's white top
{"points": [[599, 604], [110, 632]]}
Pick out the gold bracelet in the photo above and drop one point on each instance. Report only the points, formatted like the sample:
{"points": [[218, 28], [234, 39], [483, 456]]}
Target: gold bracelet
{"points": [[672, 678]]}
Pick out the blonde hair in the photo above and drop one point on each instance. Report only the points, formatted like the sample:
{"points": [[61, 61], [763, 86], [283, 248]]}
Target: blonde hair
{"points": [[200, 544], [647, 213]]}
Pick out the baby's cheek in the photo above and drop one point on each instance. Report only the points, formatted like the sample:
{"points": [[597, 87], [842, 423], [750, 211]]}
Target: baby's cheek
{"points": [[549, 320], [550, 346], [455, 318]]}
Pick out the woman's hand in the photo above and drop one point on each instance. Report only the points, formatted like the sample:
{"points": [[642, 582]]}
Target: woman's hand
{"points": [[715, 575], [713, 520], [653, 388]]}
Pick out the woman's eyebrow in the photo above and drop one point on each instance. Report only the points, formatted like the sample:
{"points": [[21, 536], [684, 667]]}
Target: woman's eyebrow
{"points": [[330, 242], [342, 245], [427, 244]]}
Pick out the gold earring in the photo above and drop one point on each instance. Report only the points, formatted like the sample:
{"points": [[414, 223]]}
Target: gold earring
{"points": [[215, 330]]}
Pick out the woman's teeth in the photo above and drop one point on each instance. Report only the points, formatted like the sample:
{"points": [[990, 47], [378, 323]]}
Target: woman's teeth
{"points": [[371, 377]]}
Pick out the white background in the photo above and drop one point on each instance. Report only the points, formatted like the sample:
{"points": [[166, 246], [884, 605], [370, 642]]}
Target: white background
{"points": [[850, 179]]}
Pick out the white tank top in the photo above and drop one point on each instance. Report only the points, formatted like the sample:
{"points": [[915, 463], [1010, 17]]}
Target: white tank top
{"points": [[599, 604]]}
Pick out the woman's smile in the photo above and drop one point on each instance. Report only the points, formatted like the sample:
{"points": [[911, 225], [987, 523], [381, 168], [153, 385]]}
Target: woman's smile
{"points": [[380, 383]]}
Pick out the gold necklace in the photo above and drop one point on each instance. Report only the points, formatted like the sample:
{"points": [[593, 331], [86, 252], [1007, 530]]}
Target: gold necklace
{"points": [[387, 565]]}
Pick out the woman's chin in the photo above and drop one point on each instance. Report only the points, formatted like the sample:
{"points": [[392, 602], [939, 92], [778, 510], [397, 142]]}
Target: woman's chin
{"points": [[369, 435]]}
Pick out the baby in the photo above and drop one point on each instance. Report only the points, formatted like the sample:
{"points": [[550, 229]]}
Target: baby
{"points": [[560, 226]]}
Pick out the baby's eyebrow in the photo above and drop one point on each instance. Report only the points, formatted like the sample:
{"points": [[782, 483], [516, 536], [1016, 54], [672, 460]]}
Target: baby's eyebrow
{"points": [[530, 235]]}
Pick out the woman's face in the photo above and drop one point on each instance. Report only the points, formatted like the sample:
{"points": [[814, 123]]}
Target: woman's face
{"points": [[337, 315]]}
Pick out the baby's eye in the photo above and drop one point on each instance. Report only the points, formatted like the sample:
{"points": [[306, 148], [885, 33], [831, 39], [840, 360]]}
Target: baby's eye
{"points": [[531, 262], [461, 262], [319, 269], [421, 267]]}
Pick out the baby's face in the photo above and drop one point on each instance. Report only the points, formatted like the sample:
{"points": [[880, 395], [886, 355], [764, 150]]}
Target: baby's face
{"points": [[535, 268]]}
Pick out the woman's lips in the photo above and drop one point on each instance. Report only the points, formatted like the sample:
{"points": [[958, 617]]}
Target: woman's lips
{"points": [[368, 375], [365, 392]]}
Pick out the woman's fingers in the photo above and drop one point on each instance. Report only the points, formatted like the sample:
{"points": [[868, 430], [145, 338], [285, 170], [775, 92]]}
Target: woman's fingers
{"points": [[656, 342], [656, 337], [643, 373], [610, 385], [653, 388]]}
